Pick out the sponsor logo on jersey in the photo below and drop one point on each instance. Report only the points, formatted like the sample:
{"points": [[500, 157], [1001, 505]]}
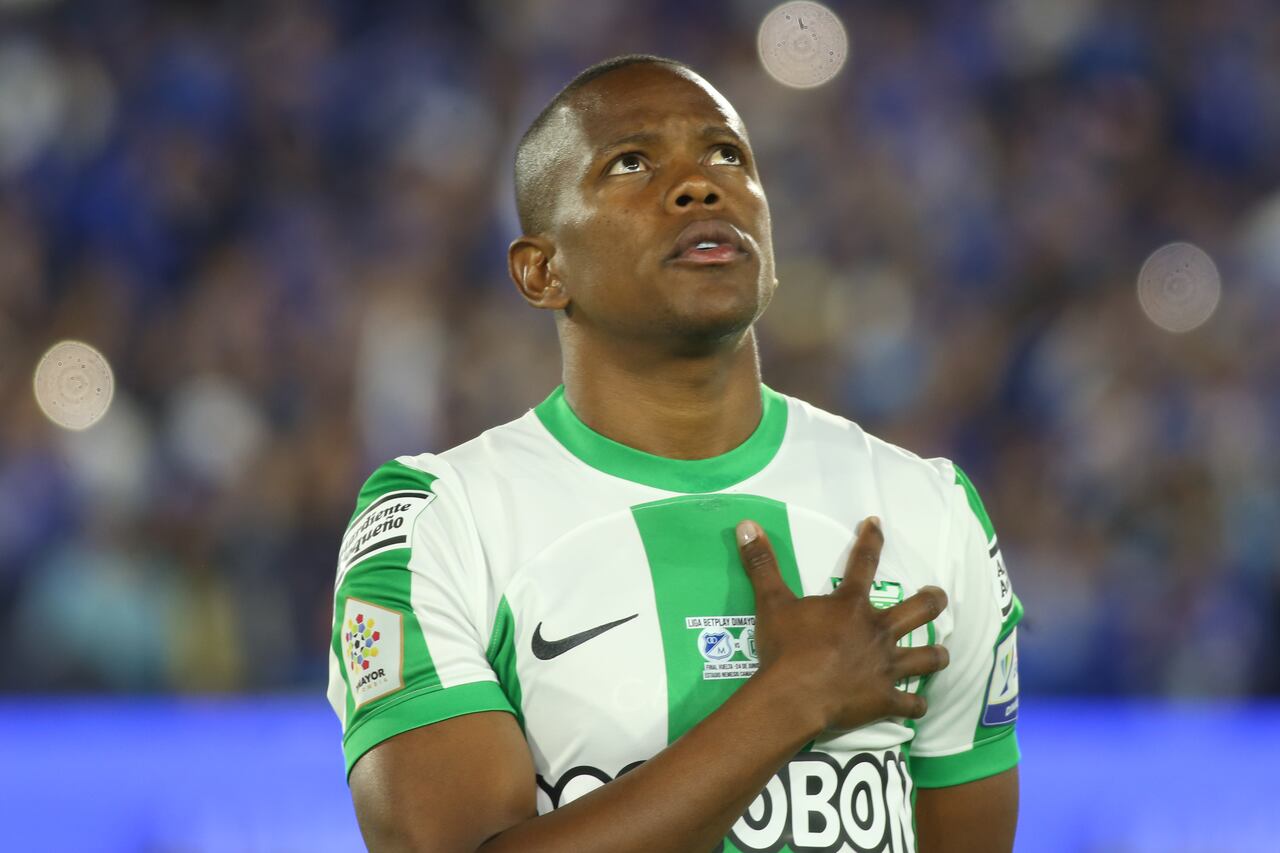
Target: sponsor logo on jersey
{"points": [[384, 524], [544, 649], [372, 645], [727, 645], [816, 802], [1002, 684]]}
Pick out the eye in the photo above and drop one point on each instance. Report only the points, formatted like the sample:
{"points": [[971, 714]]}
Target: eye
{"points": [[729, 151], [630, 164]]}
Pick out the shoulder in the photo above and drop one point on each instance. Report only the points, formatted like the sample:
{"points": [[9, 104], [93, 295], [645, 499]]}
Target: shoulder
{"points": [[423, 509], [497, 453], [896, 471], [465, 484], [504, 450]]}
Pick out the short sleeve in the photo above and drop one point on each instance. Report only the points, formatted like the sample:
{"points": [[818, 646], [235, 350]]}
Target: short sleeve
{"points": [[968, 732], [409, 645]]}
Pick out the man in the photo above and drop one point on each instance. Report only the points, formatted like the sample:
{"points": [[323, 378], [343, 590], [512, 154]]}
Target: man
{"points": [[640, 616]]}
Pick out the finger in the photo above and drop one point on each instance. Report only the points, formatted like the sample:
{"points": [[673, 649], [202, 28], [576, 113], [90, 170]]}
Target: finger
{"points": [[906, 704], [864, 557], [922, 660], [760, 563], [919, 609]]}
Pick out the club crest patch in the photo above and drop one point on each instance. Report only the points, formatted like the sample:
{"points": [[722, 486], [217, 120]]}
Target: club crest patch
{"points": [[372, 650]]}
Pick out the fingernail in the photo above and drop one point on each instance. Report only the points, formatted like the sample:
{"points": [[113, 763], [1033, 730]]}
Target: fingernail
{"points": [[747, 532], [875, 522]]}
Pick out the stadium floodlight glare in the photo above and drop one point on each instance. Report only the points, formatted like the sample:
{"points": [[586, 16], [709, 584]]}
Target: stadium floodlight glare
{"points": [[73, 385], [802, 44]]}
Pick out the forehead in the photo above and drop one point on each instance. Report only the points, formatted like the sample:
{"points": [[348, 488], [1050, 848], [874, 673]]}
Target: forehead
{"points": [[647, 97]]}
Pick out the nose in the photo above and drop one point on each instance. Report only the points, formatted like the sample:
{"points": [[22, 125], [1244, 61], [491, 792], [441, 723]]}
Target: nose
{"points": [[694, 188]]}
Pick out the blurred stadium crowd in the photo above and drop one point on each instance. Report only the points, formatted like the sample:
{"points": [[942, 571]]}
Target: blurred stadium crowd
{"points": [[285, 224]]}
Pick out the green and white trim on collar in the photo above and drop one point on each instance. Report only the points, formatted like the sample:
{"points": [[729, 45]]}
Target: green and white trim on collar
{"points": [[674, 475]]}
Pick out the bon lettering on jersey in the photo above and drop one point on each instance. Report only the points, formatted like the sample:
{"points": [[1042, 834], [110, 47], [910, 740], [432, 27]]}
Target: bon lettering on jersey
{"points": [[819, 801]]}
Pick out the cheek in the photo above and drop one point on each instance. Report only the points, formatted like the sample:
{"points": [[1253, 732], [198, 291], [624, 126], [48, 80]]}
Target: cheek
{"points": [[611, 243], [622, 230], [602, 258], [761, 203], [764, 228]]}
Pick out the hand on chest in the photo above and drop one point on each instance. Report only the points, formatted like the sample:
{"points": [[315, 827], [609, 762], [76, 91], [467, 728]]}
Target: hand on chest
{"points": [[638, 624]]}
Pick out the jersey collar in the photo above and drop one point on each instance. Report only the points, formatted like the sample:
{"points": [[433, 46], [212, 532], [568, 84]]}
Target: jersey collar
{"points": [[674, 475]]}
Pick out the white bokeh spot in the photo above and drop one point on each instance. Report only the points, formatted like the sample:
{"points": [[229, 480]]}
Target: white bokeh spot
{"points": [[1179, 287], [802, 44]]}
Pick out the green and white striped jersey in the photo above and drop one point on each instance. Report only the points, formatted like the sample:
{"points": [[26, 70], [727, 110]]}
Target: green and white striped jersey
{"points": [[595, 592]]}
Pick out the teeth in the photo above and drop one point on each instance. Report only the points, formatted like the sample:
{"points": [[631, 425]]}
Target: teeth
{"points": [[707, 244]]}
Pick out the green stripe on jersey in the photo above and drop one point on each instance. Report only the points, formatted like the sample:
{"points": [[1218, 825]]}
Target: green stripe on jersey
{"points": [[1010, 621], [975, 503], [389, 477], [696, 571], [421, 708], [673, 475], [502, 657], [385, 580], [988, 758]]}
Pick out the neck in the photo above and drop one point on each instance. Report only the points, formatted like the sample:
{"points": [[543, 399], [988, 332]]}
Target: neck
{"points": [[675, 406]]}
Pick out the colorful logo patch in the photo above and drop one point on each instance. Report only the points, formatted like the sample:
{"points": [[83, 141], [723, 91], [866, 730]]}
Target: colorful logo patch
{"points": [[373, 649], [362, 642]]}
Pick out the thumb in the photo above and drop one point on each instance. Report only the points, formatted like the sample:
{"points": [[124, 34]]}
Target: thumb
{"points": [[760, 563]]}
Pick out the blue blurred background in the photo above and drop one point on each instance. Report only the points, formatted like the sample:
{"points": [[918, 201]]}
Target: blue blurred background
{"points": [[284, 224]]}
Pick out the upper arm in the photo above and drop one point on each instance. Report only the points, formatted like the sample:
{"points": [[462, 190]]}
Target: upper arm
{"points": [[968, 732], [412, 660], [449, 786], [976, 817]]}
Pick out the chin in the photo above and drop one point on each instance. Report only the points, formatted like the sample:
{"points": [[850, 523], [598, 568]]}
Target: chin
{"points": [[714, 315]]}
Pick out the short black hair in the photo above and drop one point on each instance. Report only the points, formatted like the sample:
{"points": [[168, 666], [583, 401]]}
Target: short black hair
{"points": [[535, 183]]}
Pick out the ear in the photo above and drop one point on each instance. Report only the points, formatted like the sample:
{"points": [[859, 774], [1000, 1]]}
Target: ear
{"points": [[529, 262]]}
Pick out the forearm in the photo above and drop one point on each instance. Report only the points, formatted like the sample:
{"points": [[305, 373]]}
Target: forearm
{"points": [[685, 798]]}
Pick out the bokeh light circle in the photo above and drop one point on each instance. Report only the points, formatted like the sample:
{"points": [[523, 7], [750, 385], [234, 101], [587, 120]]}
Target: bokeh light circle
{"points": [[73, 385], [802, 44], [1179, 287]]}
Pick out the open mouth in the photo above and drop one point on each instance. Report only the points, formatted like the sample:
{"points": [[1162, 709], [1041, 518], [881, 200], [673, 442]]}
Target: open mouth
{"points": [[708, 242], [710, 252]]}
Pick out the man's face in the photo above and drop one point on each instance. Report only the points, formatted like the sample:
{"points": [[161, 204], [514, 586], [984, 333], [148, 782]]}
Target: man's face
{"points": [[626, 202]]}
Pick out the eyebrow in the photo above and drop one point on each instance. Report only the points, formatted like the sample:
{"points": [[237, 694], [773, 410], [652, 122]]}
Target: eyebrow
{"points": [[645, 137]]}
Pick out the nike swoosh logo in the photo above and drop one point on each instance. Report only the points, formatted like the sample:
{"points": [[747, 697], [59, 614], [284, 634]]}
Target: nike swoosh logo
{"points": [[548, 649]]}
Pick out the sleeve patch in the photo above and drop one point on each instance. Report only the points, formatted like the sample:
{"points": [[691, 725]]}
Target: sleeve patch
{"points": [[1002, 685], [384, 524], [1003, 587], [372, 650]]}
